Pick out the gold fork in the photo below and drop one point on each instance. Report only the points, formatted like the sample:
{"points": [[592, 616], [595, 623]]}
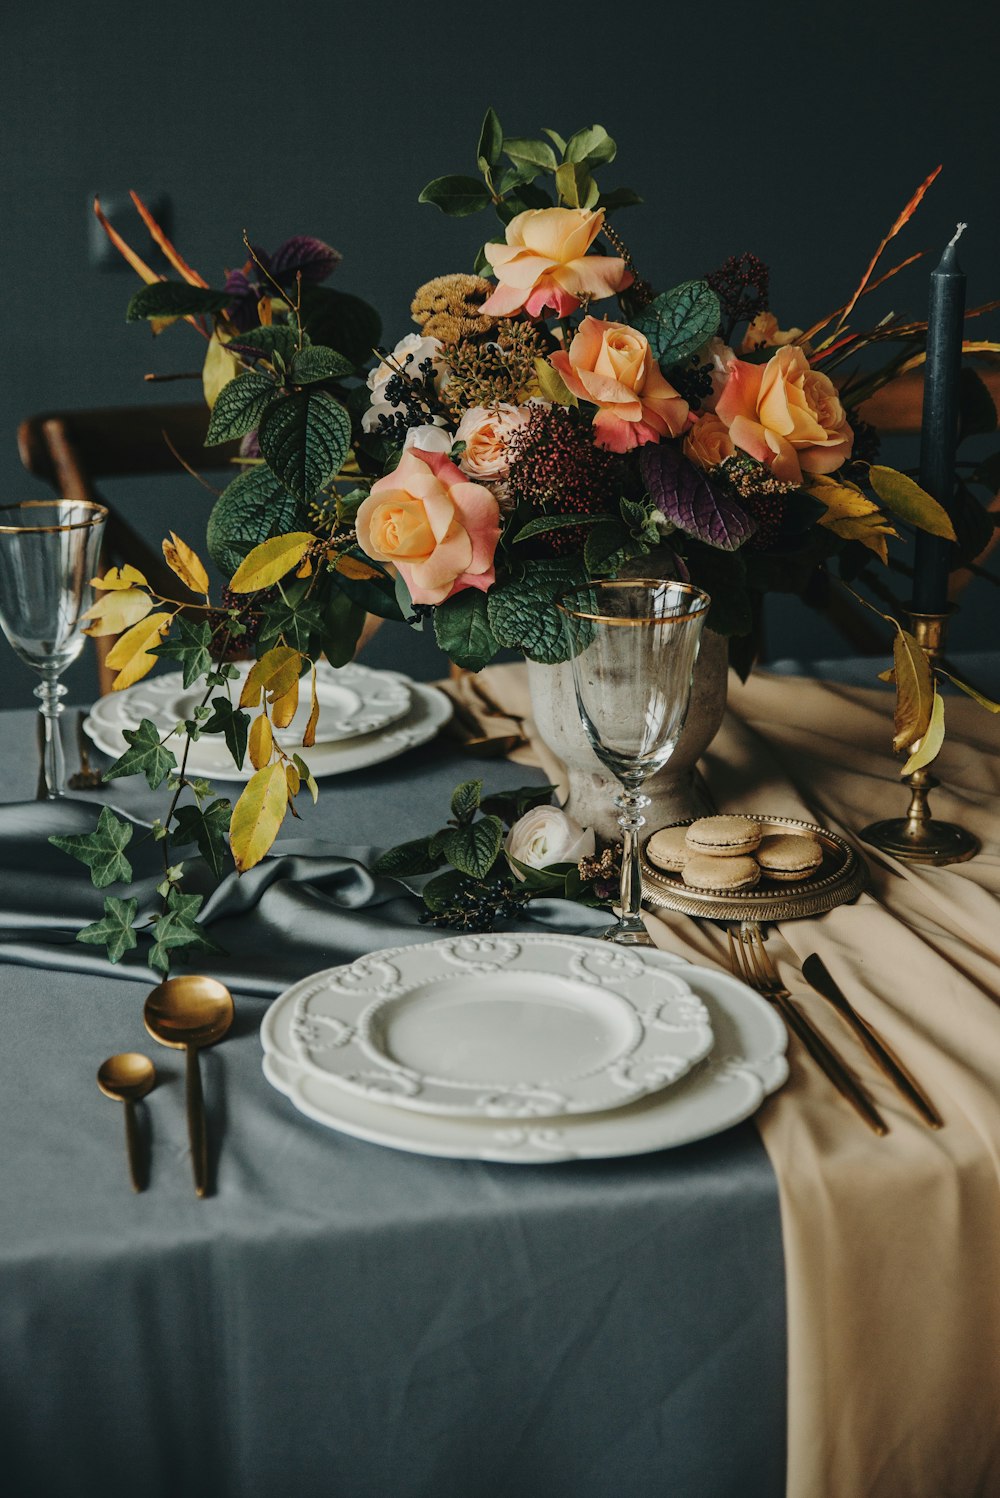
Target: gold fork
{"points": [[751, 962]]}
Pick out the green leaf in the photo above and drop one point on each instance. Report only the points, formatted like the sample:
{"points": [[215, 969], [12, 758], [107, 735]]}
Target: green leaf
{"points": [[679, 321], [592, 146], [474, 849], [146, 756], [527, 196], [619, 197], [490, 145], [462, 629], [206, 826], [481, 266], [534, 152], [606, 547], [457, 196], [343, 621], [114, 930], [233, 724], [544, 524], [102, 850], [304, 440], [438, 894], [523, 616], [239, 407], [316, 363], [341, 321], [909, 502], [190, 646], [465, 800], [178, 929], [407, 859], [263, 342], [575, 185], [248, 512], [977, 413], [722, 574], [509, 805], [293, 616], [556, 139], [175, 299]]}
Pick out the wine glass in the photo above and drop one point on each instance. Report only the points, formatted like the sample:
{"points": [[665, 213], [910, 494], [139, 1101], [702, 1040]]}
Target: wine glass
{"points": [[633, 645], [49, 550]]}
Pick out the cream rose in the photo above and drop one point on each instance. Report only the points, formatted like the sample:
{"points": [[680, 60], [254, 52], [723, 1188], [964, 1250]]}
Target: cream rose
{"points": [[787, 415], [611, 365], [544, 263], [486, 434], [439, 530], [708, 443], [545, 836]]}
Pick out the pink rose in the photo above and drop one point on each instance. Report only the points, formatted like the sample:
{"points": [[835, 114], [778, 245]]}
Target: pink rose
{"points": [[611, 365], [544, 263], [787, 415], [439, 530]]}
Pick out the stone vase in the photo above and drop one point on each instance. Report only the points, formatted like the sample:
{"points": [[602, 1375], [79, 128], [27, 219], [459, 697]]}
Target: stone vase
{"points": [[675, 792]]}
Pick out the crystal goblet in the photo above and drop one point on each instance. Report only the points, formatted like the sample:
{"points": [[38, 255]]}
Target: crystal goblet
{"points": [[633, 646], [49, 551]]}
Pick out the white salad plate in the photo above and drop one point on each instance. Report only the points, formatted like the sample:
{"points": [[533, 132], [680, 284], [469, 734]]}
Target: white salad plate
{"points": [[519, 1026], [746, 1064], [429, 709]]}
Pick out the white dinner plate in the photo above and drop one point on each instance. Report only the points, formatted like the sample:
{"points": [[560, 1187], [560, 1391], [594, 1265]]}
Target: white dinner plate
{"points": [[519, 1026], [747, 1063], [429, 710]]}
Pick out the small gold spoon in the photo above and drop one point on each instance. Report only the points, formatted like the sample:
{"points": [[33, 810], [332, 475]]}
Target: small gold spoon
{"points": [[127, 1077], [188, 1013]]}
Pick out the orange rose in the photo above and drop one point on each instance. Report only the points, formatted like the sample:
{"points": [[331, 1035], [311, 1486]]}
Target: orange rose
{"points": [[763, 332], [611, 365], [544, 263], [787, 415], [708, 443], [439, 530]]}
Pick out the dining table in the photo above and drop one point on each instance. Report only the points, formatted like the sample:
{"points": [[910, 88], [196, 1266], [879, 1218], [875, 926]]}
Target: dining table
{"points": [[341, 1320]]}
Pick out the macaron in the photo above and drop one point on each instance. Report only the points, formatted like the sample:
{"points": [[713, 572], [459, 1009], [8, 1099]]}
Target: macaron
{"points": [[723, 837], [785, 857], [667, 849], [721, 876]]}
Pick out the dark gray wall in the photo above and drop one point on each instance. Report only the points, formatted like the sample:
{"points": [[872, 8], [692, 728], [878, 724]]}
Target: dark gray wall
{"points": [[792, 130]]}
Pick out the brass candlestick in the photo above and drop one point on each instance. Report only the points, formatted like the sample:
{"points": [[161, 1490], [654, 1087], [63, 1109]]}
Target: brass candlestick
{"points": [[917, 837]]}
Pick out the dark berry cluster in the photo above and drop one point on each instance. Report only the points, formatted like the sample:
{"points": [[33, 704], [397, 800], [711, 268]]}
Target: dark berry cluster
{"points": [[236, 641], [693, 381], [415, 397], [742, 286], [556, 467], [478, 904]]}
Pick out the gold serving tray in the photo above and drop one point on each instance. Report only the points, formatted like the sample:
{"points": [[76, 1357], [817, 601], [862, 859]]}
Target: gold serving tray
{"points": [[839, 879]]}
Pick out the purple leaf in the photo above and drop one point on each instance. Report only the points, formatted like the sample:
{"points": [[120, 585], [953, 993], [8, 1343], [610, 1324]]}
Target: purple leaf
{"points": [[684, 495], [312, 257], [242, 310]]}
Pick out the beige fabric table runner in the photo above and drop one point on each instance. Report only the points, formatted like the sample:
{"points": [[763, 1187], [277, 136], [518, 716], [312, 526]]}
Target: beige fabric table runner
{"points": [[892, 1246]]}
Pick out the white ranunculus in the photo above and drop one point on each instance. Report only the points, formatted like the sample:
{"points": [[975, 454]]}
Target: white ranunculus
{"points": [[545, 836], [486, 433], [409, 353], [719, 357], [432, 439]]}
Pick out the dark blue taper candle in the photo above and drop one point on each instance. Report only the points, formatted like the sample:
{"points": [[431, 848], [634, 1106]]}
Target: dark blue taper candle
{"points": [[932, 558]]}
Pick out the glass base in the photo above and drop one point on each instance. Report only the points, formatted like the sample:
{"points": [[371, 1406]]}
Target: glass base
{"points": [[627, 935]]}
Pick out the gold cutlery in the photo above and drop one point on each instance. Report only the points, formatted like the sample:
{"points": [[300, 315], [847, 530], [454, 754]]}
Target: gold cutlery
{"points": [[85, 778], [815, 972], [187, 1014], [128, 1077], [751, 962]]}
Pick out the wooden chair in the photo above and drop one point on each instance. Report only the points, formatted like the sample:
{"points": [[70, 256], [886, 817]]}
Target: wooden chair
{"points": [[72, 450]]}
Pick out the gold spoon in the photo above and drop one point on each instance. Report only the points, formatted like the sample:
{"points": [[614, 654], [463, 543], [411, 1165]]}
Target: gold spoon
{"points": [[189, 1013], [127, 1077]]}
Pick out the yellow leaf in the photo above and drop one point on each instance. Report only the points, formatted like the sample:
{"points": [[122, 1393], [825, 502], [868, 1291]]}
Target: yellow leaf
{"points": [[914, 690], [293, 778], [309, 737], [909, 502], [352, 568], [270, 561], [274, 672], [129, 655], [929, 746], [284, 704], [219, 368], [306, 569], [120, 577], [117, 611], [552, 385], [186, 564], [970, 691], [840, 497], [307, 775], [258, 815], [260, 742]]}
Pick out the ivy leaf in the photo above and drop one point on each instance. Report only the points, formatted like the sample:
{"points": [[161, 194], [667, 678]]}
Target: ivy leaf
{"points": [[233, 724], [465, 800], [682, 493], [295, 619], [462, 629], [249, 511], [490, 141], [163, 299], [474, 849], [317, 363], [146, 756], [239, 407], [177, 928], [407, 859], [909, 502], [456, 195], [304, 440], [190, 646], [523, 616], [102, 850], [115, 929], [206, 827], [679, 321], [914, 690]]}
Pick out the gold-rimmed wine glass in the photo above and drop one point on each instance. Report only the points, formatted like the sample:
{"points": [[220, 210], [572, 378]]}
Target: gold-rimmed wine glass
{"points": [[633, 646], [49, 550]]}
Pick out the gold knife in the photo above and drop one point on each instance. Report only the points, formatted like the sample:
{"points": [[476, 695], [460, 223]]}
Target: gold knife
{"points": [[816, 975]]}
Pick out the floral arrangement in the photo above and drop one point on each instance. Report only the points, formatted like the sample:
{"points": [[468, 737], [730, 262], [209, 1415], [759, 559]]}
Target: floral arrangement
{"points": [[520, 441]]}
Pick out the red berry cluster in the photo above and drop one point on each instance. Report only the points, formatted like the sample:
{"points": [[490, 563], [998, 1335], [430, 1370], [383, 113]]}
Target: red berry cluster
{"points": [[556, 468]]}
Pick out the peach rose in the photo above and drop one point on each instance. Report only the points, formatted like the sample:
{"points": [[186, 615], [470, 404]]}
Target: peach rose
{"points": [[486, 434], [438, 530], [763, 332], [787, 415], [544, 263], [611, 365], [708, 443]]}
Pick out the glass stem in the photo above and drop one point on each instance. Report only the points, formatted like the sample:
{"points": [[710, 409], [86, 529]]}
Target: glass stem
{"points": [[631, 821], [50, 695]]}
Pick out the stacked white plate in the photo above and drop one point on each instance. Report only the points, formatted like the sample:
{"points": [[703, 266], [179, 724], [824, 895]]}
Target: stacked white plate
{"points": [[365, 717], [524, 1049]]}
